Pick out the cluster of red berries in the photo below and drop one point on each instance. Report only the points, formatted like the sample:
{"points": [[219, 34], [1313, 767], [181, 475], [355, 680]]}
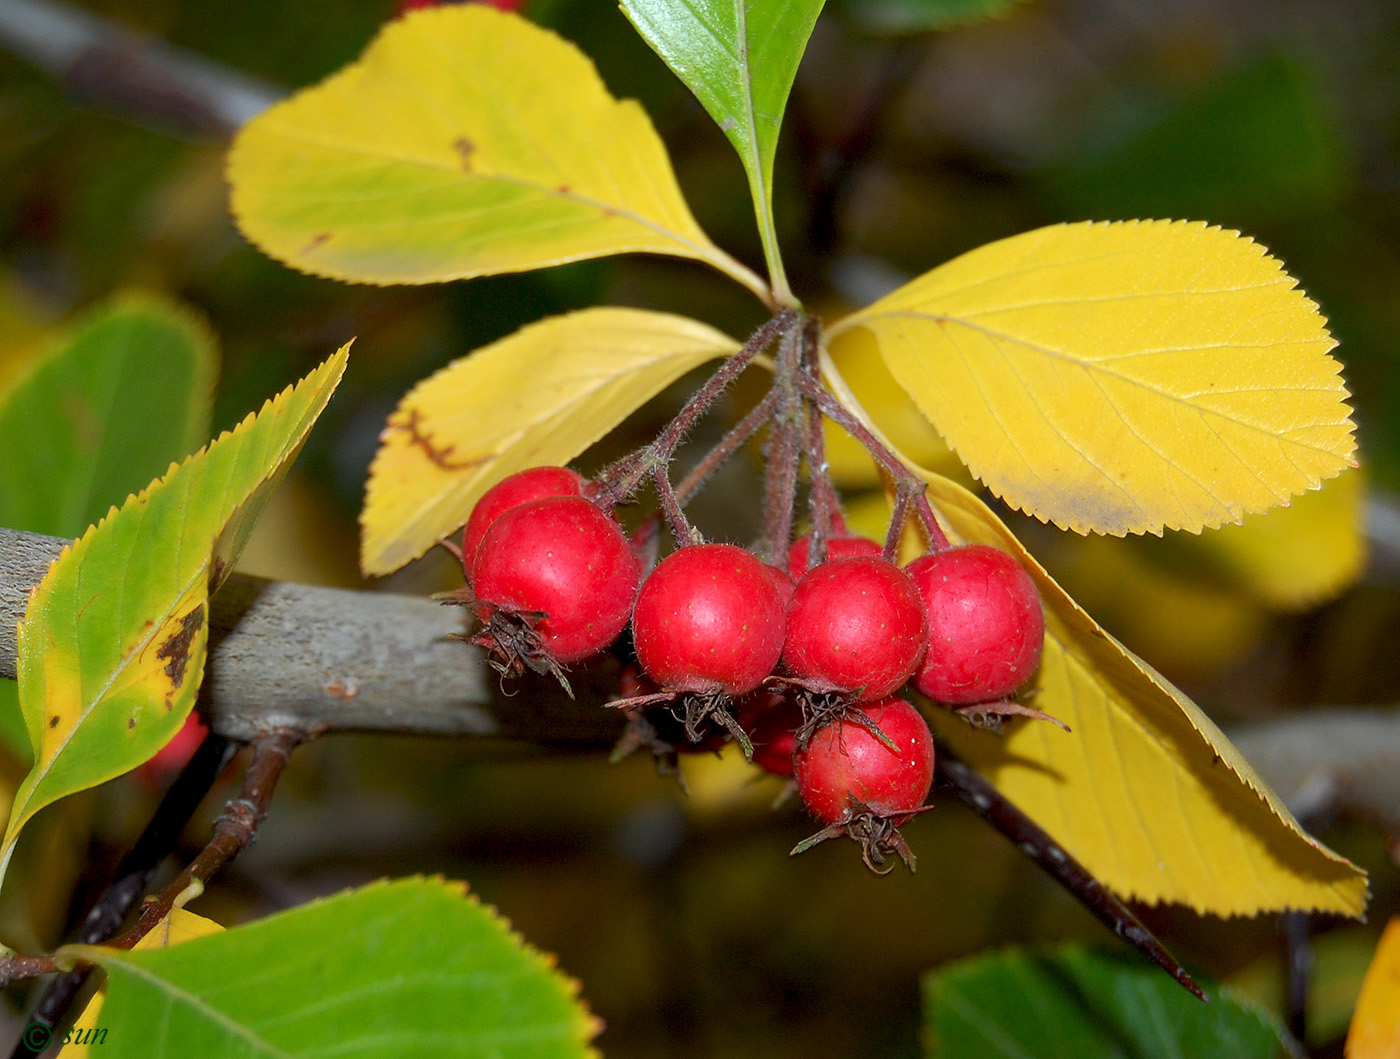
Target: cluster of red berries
{"points": [[798, 664]]}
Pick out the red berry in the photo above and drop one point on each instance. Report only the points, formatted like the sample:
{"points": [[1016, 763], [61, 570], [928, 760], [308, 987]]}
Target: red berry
{"points": [[709, 618], [405, 6], [171, 758], [985, 624], [785, 582], [564, 557], [772, 718], [844, 761], [855, 625], [843, 547], [536, 483]]}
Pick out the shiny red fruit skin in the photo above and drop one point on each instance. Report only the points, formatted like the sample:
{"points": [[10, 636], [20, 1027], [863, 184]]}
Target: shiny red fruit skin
{"points": [[563, 556], [799, 552], [986, 627], [855, 624], [534, 483], [709, 618], [844, 759], [785, 582]]}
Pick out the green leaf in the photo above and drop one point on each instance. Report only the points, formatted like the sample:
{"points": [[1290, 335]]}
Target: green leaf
{"points": [[111, 649], [413, 967], [13, 734], [1075, 1003], [921, 16], [463, 142], [107, 405], [739, 57]]}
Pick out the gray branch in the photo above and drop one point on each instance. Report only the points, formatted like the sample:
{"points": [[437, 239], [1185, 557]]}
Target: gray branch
{"points": [[104, 63], [326, 659]]}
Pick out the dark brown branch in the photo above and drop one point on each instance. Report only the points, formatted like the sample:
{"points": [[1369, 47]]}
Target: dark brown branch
{"points": [[234, 831], [1030, 839]]}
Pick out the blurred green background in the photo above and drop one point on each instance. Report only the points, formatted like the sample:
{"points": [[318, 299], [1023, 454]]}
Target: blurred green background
{"points": [[691, 930]]}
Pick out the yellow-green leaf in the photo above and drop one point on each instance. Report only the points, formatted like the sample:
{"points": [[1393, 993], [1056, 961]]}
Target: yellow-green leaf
{"points": [[539, 396], [463, 142], [1121, 378], [112, 646], [1145, 790]]}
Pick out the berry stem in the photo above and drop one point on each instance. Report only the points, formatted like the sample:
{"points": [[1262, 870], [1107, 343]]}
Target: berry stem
{"points": [[620, 481], [681, 528], [784, 449], [903, 478], [823, 503], [727, 446]]}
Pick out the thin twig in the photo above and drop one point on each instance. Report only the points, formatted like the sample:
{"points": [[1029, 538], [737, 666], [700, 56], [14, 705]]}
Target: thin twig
{"points": [[727, 446], [622, 479], [823, 503], [784, 450], [1030, 839], [104, 63], [234, 831]]}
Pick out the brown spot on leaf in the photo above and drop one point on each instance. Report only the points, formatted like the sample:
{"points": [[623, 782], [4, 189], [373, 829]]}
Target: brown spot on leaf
{"points": [[130, 722], [465, 149], [175, 651], [317, 241], [53, 721], [563, 189], [438, 454]]}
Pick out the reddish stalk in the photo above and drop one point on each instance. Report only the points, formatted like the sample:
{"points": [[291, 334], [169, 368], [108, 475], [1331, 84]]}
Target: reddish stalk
{"points": [[903, 478]]}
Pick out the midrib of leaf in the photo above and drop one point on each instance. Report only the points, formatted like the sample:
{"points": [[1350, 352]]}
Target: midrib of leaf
{"points": [[1092, 367], [177, 995]]}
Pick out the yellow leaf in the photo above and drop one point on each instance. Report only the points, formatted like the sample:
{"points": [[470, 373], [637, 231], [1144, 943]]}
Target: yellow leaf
{"points": [[175, 928], [539, 396], [1121, 378], [1298, 556], [463, 142], [1375, 1028], [1145, 791]]}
